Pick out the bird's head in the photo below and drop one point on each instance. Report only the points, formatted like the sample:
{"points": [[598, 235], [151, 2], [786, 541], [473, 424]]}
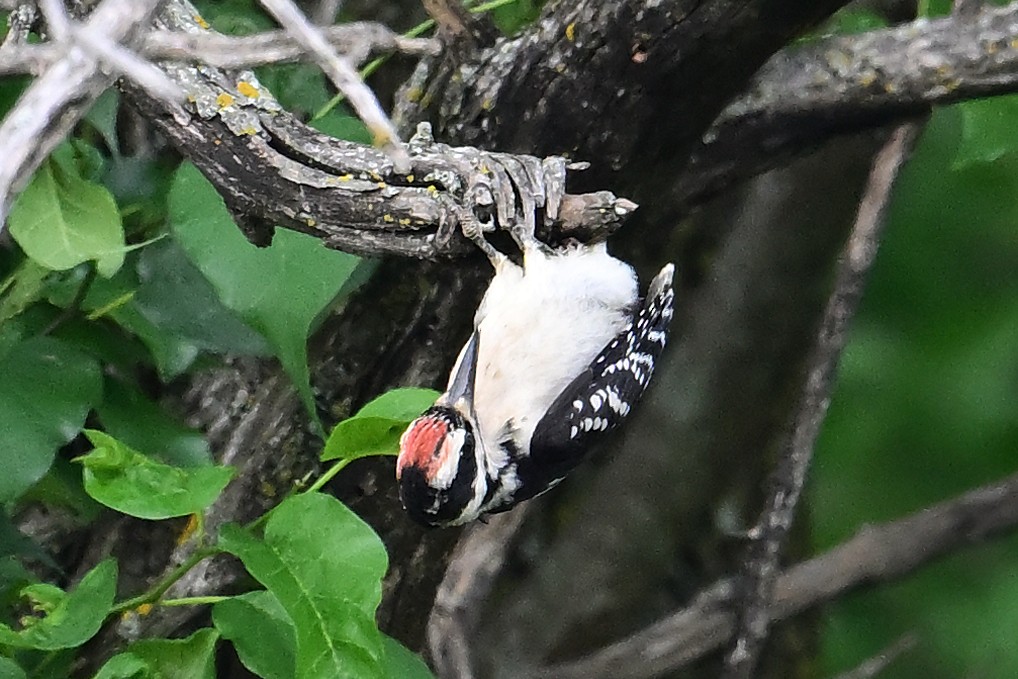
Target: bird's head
{"points": [[437, 467]]}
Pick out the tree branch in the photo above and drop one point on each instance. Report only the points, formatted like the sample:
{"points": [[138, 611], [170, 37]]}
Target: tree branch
{"points": [[877, 554], [55, 101], [841, 84], [354, 41], [789, 478], [349, 195]]}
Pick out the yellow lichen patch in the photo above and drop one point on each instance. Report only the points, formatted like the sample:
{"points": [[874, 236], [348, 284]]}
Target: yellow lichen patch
{"points": [[414, 94], [247, 89], [345, 178], [193, 523], [144, 609], [409, 177], [249, 131], [432, 189], [310, 221], [224, 100], [487, 104], [374, 175], [200, 21], [388, 219], [404, 222], [381, 185], [571, 32]]}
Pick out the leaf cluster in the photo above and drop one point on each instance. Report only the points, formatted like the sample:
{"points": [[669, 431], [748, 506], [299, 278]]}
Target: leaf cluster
{"points": [[122, 271]]}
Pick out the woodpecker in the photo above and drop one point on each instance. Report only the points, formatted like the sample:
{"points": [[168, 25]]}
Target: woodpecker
{"points": [[562, 349]]}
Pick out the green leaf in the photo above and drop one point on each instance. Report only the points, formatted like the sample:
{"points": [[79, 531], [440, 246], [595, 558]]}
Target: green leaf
{"points": [[987, 131], [376, 428], [176, 298], [61, 219], [343, 125], [70, 619], [21, 288], [261, 632], [10, 669], [190, 658], [103, 117], [130, 417], [124, 666], [280, 290], [132, 483], [402, 663], [46, 391], [325, 566]]}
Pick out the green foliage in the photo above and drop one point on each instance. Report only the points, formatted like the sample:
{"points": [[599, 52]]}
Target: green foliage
{"points": [[333, 616], [130, 482], [376, 428], [280, 291], [924, 408], [66, 620], [47, 390], [10, 669], [126, 271], [401, 663], [511, 16], [261, 631], [62, 219], [190, 658], [132, 418]]}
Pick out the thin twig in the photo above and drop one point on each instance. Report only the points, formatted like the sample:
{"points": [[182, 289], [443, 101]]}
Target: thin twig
{"points": [[770, 533], [51, 106], [878, 663], [344, 76], [355, 41], [876, 554], [127, 63]]}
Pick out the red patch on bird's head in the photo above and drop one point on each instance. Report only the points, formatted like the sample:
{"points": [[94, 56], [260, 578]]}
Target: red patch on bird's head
{"points": [[420, 442]]}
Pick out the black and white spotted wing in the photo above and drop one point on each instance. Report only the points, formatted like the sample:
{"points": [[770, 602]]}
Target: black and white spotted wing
{"points": [[600, 398]]}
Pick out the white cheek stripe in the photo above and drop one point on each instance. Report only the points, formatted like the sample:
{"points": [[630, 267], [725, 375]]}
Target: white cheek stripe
{"points": [[449, 459]]}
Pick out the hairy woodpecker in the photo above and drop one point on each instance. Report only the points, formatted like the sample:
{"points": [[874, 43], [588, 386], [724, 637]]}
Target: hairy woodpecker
{"points": [[562, 349]]}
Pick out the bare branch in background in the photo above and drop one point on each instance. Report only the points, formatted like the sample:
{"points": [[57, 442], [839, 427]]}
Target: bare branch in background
{"points": [[789, 478], [878, 663], [844, 83], [478, 559], [355, 41], [344, 76], [878, 553], [56, 100]]}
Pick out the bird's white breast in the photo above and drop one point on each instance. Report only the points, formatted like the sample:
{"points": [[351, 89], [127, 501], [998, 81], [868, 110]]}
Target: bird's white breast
{"points": [[542, 325]]}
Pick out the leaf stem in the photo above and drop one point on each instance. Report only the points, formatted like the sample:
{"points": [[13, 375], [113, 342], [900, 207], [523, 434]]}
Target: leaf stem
{"points": [[327, 476], [193, 600], [158, 589]]}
